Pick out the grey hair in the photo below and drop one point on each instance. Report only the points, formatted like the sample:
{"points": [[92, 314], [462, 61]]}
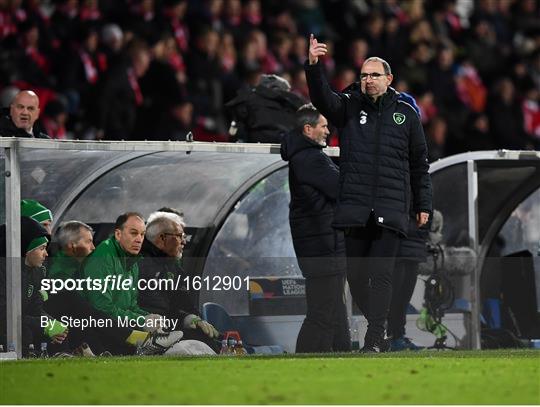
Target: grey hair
{"points": [[70, 232], [386, 65], [274, 82], [111, 32], [162, 222], [307, 114]]}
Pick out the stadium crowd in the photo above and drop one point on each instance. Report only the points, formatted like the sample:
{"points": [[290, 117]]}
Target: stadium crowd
{"points": [[151, 69]]}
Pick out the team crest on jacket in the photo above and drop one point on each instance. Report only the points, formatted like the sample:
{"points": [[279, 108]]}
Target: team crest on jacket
{"points": [[399, 118], [29, 291]]}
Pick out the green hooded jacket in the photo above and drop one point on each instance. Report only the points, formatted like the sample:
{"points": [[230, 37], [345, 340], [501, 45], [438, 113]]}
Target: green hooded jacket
{"points": [[110, 259], [64, 267]]}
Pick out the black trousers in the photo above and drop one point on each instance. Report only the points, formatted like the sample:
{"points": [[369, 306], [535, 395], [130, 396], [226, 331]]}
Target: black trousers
{"points": [[325, 328], [371, 255], [403, 283], [71, 304]]}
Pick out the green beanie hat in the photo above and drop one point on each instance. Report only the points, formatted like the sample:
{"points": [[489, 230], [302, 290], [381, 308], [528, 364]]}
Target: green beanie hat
{"points": [[38, 241], [35, 210]]}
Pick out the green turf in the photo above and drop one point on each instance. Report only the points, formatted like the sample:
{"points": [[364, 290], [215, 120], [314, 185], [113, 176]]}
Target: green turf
{"points": [[487, 377]]}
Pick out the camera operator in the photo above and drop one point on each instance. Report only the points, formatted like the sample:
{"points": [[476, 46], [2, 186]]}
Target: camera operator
{"points": [[264, 113]]}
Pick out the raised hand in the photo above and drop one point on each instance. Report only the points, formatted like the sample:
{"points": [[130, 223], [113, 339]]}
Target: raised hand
{"points": [[316, 50]]}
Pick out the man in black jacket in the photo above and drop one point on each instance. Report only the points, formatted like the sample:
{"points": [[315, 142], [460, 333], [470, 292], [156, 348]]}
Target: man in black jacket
{"points": [[320, 249], [21, 119], [264, 113], [383, 159], [161, 250]]}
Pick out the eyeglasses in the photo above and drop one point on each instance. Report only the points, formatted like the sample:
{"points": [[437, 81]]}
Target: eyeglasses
{"points": [[372, 75], [181, 236]]}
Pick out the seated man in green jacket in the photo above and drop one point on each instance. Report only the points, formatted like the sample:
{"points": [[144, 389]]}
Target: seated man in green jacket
{"points": [[113, 271]]}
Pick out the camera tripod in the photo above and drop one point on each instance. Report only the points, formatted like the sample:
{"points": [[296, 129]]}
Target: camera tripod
{"points": [[438, 297]]}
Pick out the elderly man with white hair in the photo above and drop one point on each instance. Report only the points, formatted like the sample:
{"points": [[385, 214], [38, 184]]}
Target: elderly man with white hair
{"points": [[162, 249]]}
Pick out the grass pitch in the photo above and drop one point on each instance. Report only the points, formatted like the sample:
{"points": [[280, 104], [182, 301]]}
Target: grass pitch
{"points": [[485, 377]]}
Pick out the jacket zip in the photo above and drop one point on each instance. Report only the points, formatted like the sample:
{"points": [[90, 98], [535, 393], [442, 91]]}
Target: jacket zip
{"points": [[377, 148]]}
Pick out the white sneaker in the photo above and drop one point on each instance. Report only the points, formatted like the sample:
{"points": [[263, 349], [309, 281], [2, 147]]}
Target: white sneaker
{"points": [[156, 343]]}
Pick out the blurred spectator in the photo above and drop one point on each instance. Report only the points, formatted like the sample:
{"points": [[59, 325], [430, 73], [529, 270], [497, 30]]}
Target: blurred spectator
{"points": [[205, 86], [262, 114], [228, 60], [82, 71], [121, 94], [478, 136], [177, 122], [7, 95], [531, 116], [358, 52], [161, 87], [436, 138], [470, 88], [233, 17], [64, 21], [344, 77], [142, 20], [175, 11], [33, 65], [89, 11], [284, 21], [211, 15], [426, 104], [8, 25], [505, 116], [265, 59], [374, 34], [299, 83], [395, 42], [252, 13], [310, 17], [281, 48], [112, 39], [299, 50], [483, 50], [455, 48], [415, 69], [497, 13], [55, 118], [535, 68], [421, 32], [526, 17], [401, 86], [414, 10], [442, 81]]}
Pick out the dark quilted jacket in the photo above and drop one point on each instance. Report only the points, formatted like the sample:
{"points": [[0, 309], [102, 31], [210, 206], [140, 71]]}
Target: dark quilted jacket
{"points": [[383, 158], [313, 179]]}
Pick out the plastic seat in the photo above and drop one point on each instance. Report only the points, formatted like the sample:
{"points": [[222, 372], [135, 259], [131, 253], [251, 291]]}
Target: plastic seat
{"points": [[218, 316]]}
